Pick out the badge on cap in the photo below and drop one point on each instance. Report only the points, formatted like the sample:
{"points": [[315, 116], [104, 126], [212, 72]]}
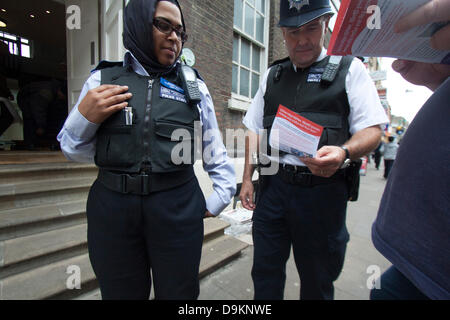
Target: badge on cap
{"points": [[298, 4]]}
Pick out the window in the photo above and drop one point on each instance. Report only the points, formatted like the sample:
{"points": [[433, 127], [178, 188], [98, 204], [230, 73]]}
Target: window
{"points": [[17, 45], [249, 47]]}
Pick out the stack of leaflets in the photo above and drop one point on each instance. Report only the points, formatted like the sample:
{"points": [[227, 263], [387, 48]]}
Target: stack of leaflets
{"points": [[366, 28], [240, 220]]}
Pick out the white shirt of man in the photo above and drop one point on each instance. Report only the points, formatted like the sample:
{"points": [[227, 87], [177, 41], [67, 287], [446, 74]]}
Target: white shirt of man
{"points": [[365, 105]]}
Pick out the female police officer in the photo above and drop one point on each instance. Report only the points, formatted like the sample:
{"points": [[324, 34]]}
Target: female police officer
{"points": [[145, 211]]}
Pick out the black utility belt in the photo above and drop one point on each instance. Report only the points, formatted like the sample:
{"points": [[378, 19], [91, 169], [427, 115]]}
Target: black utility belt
{"points": [[302, 176], [144, 184]]}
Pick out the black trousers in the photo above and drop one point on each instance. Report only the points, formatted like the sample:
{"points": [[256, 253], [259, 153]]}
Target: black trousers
{"points": [[133, 239], [312, 220], [377, 159], [388, 164]]}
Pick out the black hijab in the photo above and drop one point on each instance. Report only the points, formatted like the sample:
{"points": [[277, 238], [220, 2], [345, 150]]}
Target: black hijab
{"points": [[138, 33]]}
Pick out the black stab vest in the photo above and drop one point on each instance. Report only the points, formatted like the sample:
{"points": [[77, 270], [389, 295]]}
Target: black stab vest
{"points": [[302, 92], [147, 144]]}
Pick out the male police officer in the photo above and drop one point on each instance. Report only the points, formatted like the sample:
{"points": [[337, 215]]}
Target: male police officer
{"points": [[305, 203]]}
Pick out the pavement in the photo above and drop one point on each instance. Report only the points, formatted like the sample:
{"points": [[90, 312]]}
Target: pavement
{"points": [[362, 264]]}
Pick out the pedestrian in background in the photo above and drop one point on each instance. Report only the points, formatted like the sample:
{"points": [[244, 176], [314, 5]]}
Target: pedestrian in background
{"points": [[377, 154], [389, 154]]}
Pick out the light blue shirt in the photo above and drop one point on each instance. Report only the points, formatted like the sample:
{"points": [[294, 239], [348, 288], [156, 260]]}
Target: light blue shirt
{"points": [[78, 140]]}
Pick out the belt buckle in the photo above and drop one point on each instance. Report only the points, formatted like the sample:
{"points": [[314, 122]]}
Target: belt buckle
{"points": [[145, 183], [287, 168], [136, 184], [304, 178]]}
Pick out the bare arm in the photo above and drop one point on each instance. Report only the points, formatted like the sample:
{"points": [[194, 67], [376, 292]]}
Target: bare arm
{"points": [[363, 142], [246, 195]]}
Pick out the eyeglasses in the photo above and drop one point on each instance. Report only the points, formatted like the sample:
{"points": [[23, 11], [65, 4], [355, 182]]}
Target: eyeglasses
{"points": [[167, 28]]}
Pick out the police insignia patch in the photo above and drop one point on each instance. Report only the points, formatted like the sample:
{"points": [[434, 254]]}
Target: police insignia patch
{"points": [[298, 4]]}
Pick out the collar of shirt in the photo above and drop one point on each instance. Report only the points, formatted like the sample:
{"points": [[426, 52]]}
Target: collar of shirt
{"points": [[129, 59], [322, 56]]}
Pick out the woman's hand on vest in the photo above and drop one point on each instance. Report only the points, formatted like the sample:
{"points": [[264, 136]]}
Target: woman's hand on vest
{"points": [[327, 161], [102, 102]]}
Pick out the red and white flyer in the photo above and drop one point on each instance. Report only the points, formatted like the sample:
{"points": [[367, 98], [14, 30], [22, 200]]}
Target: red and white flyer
{"points": [[366, 28], [295, 134]]}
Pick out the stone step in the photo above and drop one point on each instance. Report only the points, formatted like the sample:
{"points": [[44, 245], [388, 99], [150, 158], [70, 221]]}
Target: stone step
{"points": [[218, 252], [10, 174], [28, 215], [90, 295], [42, 186], [46, 281], [215, 254], [24, 248], [214, 227], [43, 199], [31, 157]]}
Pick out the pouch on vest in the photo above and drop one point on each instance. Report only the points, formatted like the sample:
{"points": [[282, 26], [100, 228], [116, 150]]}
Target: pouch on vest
{"points": [[117, 142]]}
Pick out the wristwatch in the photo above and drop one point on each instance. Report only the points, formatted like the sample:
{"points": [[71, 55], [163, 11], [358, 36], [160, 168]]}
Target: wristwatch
{"points": [[347, 160]]}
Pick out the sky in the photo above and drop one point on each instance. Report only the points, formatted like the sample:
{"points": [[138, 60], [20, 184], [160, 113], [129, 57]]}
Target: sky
{"points": [[404, 98]]}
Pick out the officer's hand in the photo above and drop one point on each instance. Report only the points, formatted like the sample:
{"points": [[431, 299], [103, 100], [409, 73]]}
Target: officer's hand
{"points": [[246, 195], [209, 214], [100, 103], [327, 161], [423, 74], [432, 11]]}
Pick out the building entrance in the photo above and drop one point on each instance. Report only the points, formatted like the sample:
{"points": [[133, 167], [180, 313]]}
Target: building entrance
{"points": [[33, 74]]}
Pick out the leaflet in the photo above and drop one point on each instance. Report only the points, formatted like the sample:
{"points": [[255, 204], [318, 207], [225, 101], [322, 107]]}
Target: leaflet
{"points": [[295, 134], [370, 33]]}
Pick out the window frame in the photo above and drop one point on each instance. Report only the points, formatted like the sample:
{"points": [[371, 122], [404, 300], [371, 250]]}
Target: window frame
{"points": [[238, 101], [17, 42]]}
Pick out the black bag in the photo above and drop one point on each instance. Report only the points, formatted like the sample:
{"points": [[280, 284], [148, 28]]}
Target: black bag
{"points": [[352, 179]]}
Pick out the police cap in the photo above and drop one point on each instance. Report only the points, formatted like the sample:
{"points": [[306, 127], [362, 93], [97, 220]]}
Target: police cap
{"points": [[296, 13]]}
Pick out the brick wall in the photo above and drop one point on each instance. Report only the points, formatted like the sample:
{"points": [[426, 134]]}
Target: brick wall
{"points": [[210, 28], [277, 50]]}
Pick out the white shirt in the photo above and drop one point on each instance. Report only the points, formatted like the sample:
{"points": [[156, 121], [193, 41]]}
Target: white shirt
{"points": [[78, 140], [365, 105]]}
